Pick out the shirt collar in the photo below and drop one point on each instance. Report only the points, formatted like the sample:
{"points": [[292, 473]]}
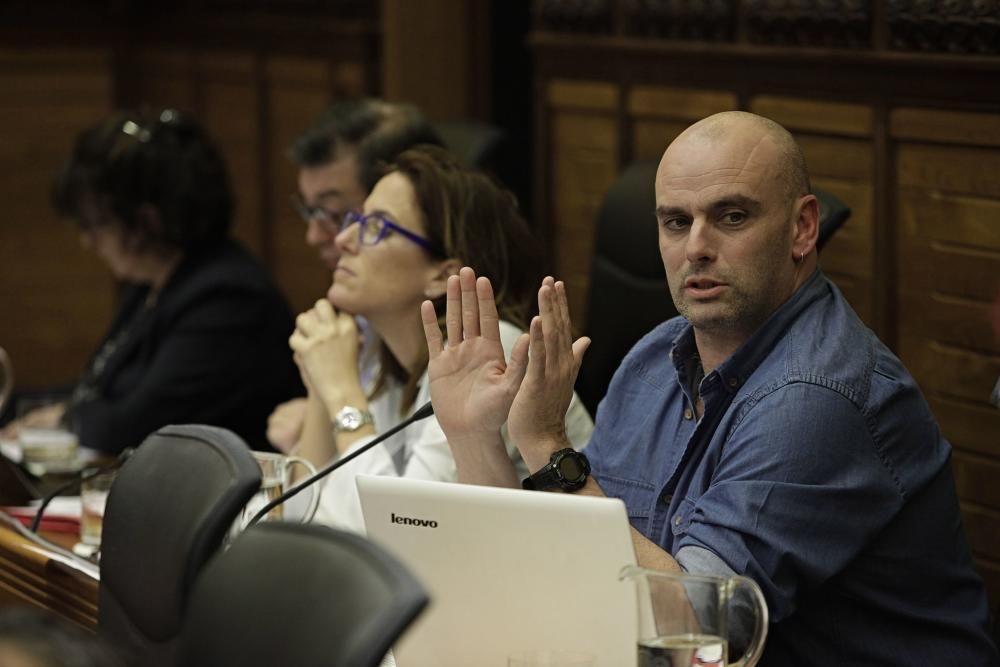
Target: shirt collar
{"points": [[741, 364]]}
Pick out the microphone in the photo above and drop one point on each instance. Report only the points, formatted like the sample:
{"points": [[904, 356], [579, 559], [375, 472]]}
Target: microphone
{"points": [[125, 455], [423, 412]]}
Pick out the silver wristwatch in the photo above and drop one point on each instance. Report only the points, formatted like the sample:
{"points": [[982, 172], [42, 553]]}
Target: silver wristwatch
{"points": [[349, 419]]}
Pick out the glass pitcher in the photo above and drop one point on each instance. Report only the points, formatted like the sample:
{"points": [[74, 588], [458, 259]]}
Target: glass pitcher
{"points": [[690, 620]]}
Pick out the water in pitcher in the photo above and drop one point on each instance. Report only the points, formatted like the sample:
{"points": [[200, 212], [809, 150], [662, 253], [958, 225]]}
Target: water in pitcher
{"points": [[683, 651]]}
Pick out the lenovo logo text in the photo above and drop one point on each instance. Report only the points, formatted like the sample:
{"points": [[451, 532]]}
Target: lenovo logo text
{"points": [[407, 521]]}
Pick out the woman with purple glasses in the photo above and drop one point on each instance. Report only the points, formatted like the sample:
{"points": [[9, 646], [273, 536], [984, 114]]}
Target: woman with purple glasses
{"points": [[424, 220]]}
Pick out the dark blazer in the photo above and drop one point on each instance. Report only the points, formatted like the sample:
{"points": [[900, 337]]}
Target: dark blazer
{"points": [[213, 349]]}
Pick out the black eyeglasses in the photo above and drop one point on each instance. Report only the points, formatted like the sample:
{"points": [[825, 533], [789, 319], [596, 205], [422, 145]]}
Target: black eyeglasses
{"points": [[376, 226], [329, 221]]}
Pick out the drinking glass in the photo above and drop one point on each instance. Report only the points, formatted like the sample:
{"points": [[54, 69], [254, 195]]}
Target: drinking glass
{"points": [[275, 479], [690, 620], [93, 499]]}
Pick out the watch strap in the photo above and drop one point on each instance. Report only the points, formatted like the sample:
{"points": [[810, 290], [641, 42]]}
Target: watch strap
{"points": [[550, 476]]}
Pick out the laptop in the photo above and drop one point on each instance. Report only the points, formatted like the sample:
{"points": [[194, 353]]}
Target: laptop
{"points": [[507, 571]]}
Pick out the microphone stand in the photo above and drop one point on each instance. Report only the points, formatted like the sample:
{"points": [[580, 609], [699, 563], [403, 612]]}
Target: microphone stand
{"points": [[117, 463], [426, 410]]}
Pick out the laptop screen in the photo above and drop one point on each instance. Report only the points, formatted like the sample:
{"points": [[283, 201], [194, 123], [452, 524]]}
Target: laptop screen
{"points": [[507, 570]]}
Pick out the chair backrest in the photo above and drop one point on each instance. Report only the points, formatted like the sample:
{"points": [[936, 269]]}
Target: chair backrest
{"points": [[168, 512], [628, 288], [294, 594], [833, 213]]}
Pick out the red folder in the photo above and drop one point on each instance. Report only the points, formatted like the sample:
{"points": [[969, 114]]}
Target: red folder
{"points": [[54, 524]]}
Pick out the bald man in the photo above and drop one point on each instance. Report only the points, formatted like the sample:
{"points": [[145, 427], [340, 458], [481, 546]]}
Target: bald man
{"points": [[765, 432]]}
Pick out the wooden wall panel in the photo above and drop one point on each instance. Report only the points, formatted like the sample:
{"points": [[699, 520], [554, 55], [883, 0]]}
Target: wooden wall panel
{"points": [[976, 478], [230, 101], [948, 233], [254, 106], [437, 55], [659, 113], [220, 89], [55, 299], [296, 95], [836, 141], [585, 144], [971, 427], [982, 525]]}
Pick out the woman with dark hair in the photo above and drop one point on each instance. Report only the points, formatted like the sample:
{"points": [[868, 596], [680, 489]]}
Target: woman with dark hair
{"points": [[426, 218], [198, 334]]}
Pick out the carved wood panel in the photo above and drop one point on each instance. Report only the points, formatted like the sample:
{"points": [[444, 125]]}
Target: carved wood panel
{"points": [[583, 131], [948, 231], [659, 113], [836, 141], [296, 96], [55, 299]]}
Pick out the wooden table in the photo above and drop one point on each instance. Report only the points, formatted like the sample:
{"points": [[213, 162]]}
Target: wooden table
{"points": [[44, 573]]}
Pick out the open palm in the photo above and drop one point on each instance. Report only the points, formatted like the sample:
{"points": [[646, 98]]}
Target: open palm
{"points": [[472, 387]]}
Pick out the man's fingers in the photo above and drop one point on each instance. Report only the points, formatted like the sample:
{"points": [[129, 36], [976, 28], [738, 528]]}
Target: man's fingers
{"points": [[470, 302], [579, 349], [489, 319], [562, 311], [518, 364], [536, 350], [549, 325], [432, 331], [453, 311]]}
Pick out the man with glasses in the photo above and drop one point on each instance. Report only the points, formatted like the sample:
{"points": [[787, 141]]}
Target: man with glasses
{"points": [[340, 159]]}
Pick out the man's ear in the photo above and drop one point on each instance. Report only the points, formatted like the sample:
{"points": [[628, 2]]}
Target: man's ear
{"points": [[438, 284], [806, 226]]}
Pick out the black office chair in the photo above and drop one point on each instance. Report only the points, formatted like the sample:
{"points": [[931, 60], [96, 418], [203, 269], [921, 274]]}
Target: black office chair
{"points": [[293, 594], [168, 512], [628, 288]]}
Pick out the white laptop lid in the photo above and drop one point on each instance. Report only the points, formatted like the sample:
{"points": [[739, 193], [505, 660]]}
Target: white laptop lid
{"points": [[507, 571]]}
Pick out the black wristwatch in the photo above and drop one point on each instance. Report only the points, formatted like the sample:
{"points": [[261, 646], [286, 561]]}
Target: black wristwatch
{"points": [[567, 470]]}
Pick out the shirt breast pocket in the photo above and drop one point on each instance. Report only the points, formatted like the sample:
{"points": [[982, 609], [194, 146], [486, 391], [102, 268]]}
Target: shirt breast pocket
{"points": [[637, 495]]}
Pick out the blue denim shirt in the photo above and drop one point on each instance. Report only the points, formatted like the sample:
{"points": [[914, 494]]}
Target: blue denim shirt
{"points": [[817, 470]]}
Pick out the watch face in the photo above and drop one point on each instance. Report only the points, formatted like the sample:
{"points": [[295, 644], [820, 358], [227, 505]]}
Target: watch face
{"points": [[570, 468], [351, 421]]}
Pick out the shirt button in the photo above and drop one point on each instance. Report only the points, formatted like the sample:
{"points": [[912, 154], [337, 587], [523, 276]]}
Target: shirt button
{"points": [[733, 382], [688, 414], [666, 498], [677, 520]]}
